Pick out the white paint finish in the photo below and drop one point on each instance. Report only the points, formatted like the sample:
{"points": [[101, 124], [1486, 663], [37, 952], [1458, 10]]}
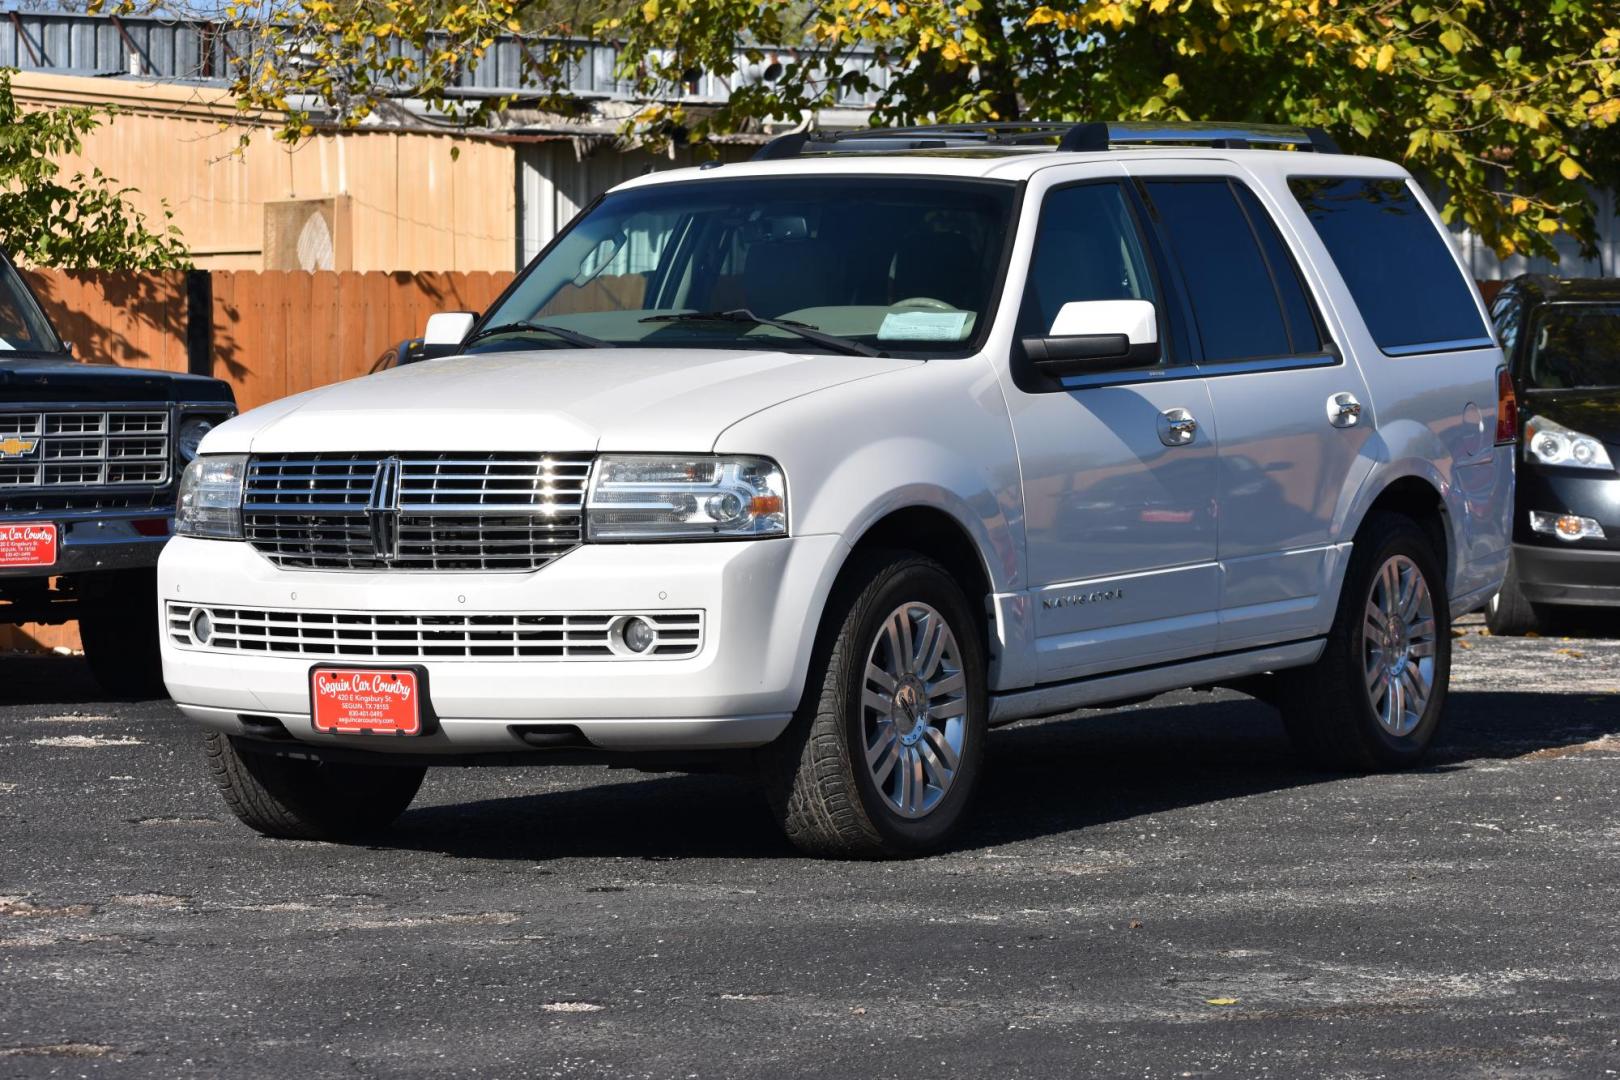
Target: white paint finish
{"points": [[448, 327], [1237, 539], [1136, 319]]}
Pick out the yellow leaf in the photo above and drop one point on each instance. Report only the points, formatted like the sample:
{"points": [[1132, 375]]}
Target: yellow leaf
{"points": [[1570, 169], [649, 10], [1220, 1001], [1547, 225], [1452, 40], [1386, 57], [1518, 205]]}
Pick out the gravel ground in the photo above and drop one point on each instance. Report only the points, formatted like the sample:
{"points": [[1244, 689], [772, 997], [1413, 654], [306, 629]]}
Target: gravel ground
{"points": [[1159, 891]]}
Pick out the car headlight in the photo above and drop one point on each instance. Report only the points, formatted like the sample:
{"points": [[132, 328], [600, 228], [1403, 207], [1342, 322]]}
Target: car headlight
{"points": [[192, 430], [1552, 443], [210, 502], [698, 496]]}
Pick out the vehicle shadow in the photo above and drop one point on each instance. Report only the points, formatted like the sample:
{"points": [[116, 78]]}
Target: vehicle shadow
{"points": [[1042, 779], [47, 680]]}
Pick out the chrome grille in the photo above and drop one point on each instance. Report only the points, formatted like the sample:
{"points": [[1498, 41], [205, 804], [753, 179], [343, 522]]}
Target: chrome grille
{"points": [[85, 448], [430, 511], [358, 635]]}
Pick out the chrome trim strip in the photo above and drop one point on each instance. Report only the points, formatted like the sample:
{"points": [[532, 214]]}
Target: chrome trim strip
{"points": [[1201, 371], [1440, 346]]}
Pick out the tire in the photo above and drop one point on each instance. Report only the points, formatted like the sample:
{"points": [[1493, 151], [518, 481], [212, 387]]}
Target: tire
{"points": [[1509, 614], [827, 798], [299, 799], [118, 627], [1337, 715]]}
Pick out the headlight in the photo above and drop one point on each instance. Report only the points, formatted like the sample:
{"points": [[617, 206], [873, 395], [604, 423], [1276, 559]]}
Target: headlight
{"points": [[192, 430], [210, 501], [1554, 444], [647, 497]]}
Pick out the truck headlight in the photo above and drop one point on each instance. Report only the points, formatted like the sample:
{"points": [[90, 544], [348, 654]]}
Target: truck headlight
{"points": [[210, 502], [192, 430], [696, 496], [1552, 443]]}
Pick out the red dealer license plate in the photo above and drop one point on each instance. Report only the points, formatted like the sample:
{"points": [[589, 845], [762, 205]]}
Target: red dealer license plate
{"points": [[369, 701], [27, 545]]}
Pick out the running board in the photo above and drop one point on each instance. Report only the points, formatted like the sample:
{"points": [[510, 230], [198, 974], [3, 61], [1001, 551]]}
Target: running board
{"points": [[1145, 682]]}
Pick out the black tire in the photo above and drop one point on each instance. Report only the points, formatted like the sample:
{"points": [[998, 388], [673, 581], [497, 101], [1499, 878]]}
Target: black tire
{"points": [[1509, 614], [299, 799], [118, 627], [1328, 708], [824, 796]]}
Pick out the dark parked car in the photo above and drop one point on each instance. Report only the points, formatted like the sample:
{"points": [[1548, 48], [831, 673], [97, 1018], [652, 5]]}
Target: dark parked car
{"points": [[90, 458], [1562, 342]]}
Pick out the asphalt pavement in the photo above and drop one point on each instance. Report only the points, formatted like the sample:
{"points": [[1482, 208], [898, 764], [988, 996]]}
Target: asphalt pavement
{"points": [[1160, 891]]}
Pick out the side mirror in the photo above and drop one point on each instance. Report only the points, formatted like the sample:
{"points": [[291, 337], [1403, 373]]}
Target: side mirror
{"points": [[1090, 336], [448, 327]]}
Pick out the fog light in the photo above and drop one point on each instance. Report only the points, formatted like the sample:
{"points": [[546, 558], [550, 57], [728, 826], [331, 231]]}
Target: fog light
{"points": [[1566, 526], [638, 635], [202, 626]]}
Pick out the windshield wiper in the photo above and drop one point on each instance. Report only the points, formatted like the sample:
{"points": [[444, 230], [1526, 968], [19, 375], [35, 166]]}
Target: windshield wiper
{"points": [[573, 337], [743, 315]]}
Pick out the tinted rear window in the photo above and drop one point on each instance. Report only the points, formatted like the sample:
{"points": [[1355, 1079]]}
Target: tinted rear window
{"points": [[1397, 265]]}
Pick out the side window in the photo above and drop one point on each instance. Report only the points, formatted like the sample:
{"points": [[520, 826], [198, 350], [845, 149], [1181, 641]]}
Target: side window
{"points": [[1397, 265], [1086, 248], [1304, 329], [1234, 299]]}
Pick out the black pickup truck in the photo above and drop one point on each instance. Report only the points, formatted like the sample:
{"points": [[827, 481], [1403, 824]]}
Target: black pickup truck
{"points": [[89, 460]]}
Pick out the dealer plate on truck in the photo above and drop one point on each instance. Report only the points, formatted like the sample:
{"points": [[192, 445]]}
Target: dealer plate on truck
{"points": [[27, 544], [367, 701]]}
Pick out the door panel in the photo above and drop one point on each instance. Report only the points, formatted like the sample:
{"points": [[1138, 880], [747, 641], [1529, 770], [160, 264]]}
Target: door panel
{"points": [[1120, 527]]}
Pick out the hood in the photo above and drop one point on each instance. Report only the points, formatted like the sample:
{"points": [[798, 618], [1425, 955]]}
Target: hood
{"points": [[50, 380], [1594, 412], [677, 400]]}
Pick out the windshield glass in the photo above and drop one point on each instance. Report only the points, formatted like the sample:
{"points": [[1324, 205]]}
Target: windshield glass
{"points": [[903, 265], [22, 327], [1575, 345]]}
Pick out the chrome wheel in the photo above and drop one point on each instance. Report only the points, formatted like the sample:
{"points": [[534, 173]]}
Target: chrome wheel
{"points": [[913, 709], [1399, 644]]}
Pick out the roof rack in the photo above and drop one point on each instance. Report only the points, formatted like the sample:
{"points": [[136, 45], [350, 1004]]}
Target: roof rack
{"points": [[1050, 135]]}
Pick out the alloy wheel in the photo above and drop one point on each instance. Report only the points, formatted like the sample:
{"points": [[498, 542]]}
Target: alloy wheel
{"points": [[1399, 645], [913, 709]]}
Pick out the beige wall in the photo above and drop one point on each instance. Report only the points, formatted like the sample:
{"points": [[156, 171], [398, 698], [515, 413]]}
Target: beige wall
{"points": [[404, 202]]}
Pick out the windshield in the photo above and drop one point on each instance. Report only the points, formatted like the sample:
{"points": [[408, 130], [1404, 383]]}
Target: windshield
{"points": [[1575, 345], [903, 265], [23, 328]]}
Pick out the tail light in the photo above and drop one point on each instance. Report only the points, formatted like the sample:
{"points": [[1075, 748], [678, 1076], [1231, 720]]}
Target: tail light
{"points": [[1507, 409]]}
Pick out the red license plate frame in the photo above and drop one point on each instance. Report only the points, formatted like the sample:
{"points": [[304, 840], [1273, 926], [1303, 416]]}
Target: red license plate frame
{"points": [[364, 699], [28, 543]]}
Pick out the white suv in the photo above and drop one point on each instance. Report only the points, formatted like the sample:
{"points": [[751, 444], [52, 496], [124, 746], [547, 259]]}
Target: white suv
{"points": [[826, 464]]}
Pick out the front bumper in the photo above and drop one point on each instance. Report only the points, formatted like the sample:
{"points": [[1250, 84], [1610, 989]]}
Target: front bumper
{"points": [[89, 542], [1567, 575], [761, 602]]}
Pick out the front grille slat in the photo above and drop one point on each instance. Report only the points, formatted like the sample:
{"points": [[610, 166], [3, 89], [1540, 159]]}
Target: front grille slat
{"points": [[114, 447], [328, 635], [455, 512]]}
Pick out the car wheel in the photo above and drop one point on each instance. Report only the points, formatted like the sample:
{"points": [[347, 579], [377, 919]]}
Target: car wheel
{"points": [[296, 798], [884, 754], [118, 627], [1509, 614], [1374, 699]]}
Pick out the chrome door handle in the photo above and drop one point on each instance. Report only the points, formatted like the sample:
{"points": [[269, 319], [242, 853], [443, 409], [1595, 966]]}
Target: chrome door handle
{"points": [[1343, 410], [1177, 427]]}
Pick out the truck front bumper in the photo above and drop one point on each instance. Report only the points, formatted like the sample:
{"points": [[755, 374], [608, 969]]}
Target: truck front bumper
{"points": [[759, 603], [1569, 575], [90, 542]]}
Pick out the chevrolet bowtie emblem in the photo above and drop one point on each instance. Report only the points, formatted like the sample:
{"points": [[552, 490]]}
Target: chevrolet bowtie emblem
{"points": [[13, 447]]}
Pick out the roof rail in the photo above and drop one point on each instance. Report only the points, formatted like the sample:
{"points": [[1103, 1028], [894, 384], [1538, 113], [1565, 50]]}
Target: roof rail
{"points": [[1047, 135]]}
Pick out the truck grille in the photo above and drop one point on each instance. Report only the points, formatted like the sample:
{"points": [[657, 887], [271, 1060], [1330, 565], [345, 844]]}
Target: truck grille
{"points": [[84, 448], [416, 511], [359, 635]]}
